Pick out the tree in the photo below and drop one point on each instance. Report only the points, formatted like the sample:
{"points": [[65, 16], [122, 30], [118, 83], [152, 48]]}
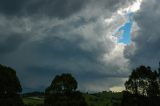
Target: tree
{"points": [[10, 87], [159, 75], [62, 84], [63, 92], [143, 81], [142, 88]]}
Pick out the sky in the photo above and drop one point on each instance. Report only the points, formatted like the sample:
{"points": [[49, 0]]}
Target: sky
{"points": [[98, 41]]}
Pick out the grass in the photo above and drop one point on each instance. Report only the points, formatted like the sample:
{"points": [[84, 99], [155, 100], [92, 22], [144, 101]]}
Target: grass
{"points": [[33, 101], [103, 99], [96, 99]]}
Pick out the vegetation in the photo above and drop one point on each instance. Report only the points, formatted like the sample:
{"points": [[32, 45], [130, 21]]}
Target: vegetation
{"points": [[31, 101], [95, 99], [10, 87], [62, 92], [142, 89], [104, 99]]}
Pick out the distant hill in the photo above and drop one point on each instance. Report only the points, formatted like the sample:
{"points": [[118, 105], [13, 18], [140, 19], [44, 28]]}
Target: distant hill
{"points": [[34, 94]]}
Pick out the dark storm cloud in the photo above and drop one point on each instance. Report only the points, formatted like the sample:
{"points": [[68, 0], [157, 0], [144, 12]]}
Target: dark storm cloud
{"points": [[66, 53], [69, 37], [11, 43], [11, 7], [57, 8], [112, 5], [147, 41], [53, 8], [43, 59], [54, 58]]}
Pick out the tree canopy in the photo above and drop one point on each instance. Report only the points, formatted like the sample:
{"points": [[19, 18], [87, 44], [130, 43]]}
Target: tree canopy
{"points": [[62, 84], [63, 92], [10, 87], [142, 88], [143, 81]]}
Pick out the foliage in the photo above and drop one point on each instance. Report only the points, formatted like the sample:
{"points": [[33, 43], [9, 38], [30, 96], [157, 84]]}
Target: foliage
{"points": [[143, 81], [142, 88], [62, 84], [62, 92], [10, 87]]}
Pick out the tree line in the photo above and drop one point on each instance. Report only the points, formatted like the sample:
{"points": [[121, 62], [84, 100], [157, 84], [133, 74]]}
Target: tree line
{"points": [[62, 91], [142, 89]]}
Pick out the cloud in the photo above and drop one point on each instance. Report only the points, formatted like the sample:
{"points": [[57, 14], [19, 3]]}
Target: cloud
{"points": [[52, 8], [9, 7], [46, 38], [11, 43], [146, 38]]}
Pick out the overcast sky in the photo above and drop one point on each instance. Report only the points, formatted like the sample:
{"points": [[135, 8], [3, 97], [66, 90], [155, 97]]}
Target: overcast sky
{"points": [[43, 38]]}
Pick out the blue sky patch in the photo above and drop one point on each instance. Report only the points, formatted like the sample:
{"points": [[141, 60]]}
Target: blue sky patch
{"points": [[126, 31]]}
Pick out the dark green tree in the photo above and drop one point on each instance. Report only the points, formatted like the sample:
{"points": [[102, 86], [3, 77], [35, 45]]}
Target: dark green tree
{"points": [[143, 81], [159, 77], [142, 88], [63, 92], [10, 87]]}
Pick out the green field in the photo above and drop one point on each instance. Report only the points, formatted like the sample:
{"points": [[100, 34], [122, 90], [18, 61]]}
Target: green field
{"points": [[96, 99], [31, 101], [103, 99]]}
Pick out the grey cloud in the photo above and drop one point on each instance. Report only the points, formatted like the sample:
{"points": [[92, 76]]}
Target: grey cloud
{"points": [[147, 39], [53, 8], [74, 42], [61, 51], [56, 8], [11, 43], [11, 7]]}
